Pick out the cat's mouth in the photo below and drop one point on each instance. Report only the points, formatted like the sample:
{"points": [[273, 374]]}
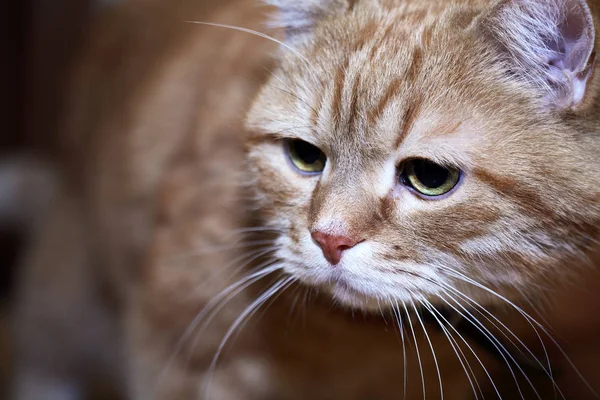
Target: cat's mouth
{"points": [[362, 291]]}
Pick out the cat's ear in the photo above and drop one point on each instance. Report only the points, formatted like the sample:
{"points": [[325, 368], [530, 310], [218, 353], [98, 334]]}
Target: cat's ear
{"points": [[547, 42], [298, 18]]}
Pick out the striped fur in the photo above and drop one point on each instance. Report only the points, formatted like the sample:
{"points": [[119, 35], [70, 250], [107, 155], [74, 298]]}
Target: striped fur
{"points": [[143, 255], [385, 81]]}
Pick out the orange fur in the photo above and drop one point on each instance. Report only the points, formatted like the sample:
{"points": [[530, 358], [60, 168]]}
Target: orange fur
{"points": [[156, 185]]}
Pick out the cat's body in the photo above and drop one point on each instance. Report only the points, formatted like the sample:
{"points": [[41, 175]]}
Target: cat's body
{"points": [[149, 225]]}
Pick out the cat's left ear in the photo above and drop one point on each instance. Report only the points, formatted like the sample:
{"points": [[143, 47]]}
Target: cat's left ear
{"points": [[298, 18], [549, 43]]}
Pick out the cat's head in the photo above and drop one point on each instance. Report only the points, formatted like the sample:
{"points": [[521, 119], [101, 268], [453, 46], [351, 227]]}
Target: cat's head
{"points": [[416, 149]]}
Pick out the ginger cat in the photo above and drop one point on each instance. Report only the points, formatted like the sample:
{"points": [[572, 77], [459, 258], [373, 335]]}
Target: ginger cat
{"points": [[318, 218]]}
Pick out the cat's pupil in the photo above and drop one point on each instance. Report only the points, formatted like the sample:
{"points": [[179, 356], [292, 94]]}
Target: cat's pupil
{"points": [[430, 174], [306, 151]]}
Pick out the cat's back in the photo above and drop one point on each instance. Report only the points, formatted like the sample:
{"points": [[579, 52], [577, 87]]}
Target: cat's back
{"points": [[150, 153], [156, 113], [151, 77]]}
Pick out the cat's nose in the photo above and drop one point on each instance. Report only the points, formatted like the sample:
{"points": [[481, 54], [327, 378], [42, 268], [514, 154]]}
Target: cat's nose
{"points": [[333, 245]]}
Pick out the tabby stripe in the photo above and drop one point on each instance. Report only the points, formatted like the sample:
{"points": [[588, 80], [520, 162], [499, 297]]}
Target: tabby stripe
{"points": [[408, 120], [353, 105], [365, 35], [338, 87], [415, 65], [379, 42], [520, 194], [390, 93]]}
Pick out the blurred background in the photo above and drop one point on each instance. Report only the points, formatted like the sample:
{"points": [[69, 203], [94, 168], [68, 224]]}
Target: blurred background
{"points": [[38, 40]]}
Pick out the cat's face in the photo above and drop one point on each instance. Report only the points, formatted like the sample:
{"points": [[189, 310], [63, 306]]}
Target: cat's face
{"points": [[403, 157]]}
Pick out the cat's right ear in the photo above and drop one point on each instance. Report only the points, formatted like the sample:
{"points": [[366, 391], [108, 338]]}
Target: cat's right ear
{"points": [[298, 18], [547, 43]]}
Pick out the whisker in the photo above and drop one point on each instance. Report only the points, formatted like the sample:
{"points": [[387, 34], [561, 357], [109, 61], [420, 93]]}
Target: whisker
{"points": [[538, 312], [292, 92], [267, 303], [398, 315], [259, 34], [457, 349], [497, 345], [238, 245], [417, 348], [254, 229], [533, 320], [248, 311], [451, 326], [226, 294], [218, 307], [465, 278], [294, 306], [294, 95], [285, 90], [437, 367], [276, 77], [553, 333], [305, 303], [245, 260], [482, 310]]}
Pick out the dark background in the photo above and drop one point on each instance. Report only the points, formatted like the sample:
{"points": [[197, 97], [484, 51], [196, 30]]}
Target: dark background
{"points": [[38, 41]]}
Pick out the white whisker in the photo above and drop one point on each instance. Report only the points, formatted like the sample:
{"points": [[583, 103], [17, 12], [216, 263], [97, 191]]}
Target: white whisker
{"points": [[401, 328], [234, 326], [208, 311], [538, 311], [417, 348], [470, 349], [435, 360], [533, 320], [497, 345], [483, 311], [294, 95], [244, 260], [259, 34], [268, 303], [293, 307], [202, 251], [460, 355], [254, 229], [216, 308]]}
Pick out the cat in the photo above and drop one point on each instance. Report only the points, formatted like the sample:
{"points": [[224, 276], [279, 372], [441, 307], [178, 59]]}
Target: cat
{"points": [[241, 217]]}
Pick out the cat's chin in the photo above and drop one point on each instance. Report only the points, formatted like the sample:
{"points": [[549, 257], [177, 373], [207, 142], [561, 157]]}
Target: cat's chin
{"points": [[349, 297]]}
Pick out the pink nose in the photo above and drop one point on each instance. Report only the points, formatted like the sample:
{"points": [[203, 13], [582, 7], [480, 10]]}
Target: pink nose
{"points": [[333, 245]]}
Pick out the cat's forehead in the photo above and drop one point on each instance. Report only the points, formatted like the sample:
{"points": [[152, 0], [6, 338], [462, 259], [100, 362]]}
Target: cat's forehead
{"points": [[406, 77], [372, 81]]}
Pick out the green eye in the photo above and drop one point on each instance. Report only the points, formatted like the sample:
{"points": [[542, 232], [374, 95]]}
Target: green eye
{"points": [[305, 157], [429, 178]]}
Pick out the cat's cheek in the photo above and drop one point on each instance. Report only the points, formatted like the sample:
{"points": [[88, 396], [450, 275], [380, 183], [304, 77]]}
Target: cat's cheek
{"points": [[406, 203]]}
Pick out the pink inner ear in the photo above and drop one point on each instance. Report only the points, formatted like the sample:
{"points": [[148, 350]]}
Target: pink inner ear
{"points": [[552, 42], [576, 38], [574, 48]]}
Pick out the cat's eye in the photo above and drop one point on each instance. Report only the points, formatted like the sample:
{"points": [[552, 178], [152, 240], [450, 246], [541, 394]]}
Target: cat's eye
{"points": [[428, 178], [305, 157]]}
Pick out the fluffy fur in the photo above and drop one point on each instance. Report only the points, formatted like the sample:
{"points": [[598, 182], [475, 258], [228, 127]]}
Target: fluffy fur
{"points": [[391, 90], [160, 212]]}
